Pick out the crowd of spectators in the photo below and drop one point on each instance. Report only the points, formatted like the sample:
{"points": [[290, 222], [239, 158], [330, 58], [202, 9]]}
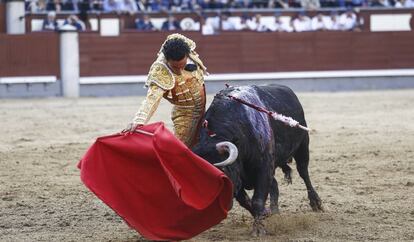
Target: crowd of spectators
{"points": [[334, 21], [133, 6], [347, 21], [72, 22]]}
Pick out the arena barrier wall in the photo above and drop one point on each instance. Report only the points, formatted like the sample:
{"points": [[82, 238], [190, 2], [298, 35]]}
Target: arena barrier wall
{"points": [[112, 66], [246, 52], [29, 65]]}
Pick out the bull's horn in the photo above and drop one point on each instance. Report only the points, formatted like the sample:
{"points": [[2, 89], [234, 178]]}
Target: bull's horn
{"points": [[229, 147]]}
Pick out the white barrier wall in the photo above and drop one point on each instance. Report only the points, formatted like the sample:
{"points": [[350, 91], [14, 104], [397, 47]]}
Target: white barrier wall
{"points": [[390, 22], [15, 12], [69, 62]]}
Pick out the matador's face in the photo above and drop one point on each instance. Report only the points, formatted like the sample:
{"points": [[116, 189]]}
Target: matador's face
{"points": [[177, 66]]}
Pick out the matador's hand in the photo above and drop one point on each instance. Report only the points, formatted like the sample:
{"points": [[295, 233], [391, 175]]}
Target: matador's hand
{"points": [[131, 127]]}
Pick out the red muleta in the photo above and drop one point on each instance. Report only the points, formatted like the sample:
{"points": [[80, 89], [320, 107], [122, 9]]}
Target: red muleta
{"points": [[156, 184]]}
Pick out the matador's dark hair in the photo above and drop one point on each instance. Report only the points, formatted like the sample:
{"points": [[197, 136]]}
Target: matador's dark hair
{"points": [[175, 49]]}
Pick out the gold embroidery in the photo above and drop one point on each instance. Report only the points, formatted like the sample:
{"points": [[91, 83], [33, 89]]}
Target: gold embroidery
{"points": [[160, 75], [149, 105]]}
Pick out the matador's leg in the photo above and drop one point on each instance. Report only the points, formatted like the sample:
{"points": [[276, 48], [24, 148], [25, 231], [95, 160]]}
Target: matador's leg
{"points": [[185, 124]]}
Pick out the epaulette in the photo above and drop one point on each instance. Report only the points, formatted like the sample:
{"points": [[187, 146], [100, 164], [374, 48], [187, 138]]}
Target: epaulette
{"points": [[160, 75]]}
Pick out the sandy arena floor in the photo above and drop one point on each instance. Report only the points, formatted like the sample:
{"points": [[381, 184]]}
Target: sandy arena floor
{"points": [[362, 165]]}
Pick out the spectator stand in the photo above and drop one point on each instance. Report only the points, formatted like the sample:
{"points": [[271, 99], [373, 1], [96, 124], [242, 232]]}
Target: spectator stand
{"points": [[34, 21], [368, 19]]}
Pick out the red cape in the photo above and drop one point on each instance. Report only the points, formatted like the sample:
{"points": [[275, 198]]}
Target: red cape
{"points": [[156, 184]]}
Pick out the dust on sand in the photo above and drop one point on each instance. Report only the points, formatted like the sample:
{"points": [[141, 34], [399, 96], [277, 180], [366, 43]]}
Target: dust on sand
{"points": [[362, 166]]}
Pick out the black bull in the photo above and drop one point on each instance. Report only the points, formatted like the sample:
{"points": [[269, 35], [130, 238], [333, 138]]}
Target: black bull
{"points": [[262, 143]]}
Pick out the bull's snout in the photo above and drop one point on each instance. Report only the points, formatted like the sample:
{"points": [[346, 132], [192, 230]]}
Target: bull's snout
{"points": [[231, 149]]}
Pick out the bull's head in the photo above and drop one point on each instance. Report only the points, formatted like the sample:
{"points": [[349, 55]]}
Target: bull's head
{"points": [[216, 149]]}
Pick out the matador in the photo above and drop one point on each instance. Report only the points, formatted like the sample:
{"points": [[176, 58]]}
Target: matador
{"points": [[177, 75]]}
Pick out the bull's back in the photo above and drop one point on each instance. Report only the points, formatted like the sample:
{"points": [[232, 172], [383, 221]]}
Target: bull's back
{"points": [[282, 99]]}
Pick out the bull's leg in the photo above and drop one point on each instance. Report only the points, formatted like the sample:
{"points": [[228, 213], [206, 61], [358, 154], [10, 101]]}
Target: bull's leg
{"points": [[244, 200], [287, 171], [274, 196], [261, 190], [302, 161]]}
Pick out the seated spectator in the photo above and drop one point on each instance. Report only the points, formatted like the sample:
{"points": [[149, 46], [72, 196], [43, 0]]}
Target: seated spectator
{"points": [[214, 21], [332, 23], [111, 6], [144, 23], [302, 23], [142, 5], [332, 3], [187, 5], [348, 20], [75, 22], [206, 27], [380, 3], [171, 24], [210, 4], [55, 5], [358, 3], [399, 4], [244, 3], [50, 22], [128, 6], [226, 4], [318, 23], [280, 26], [226, 24], [84, 6], [277, 4], [36, 6], [310, 4], [242, 25], [70, 5], [408, 3], [259, 3], [256, 24], [158, 5], [404, 4], [294, 3], [97, 5], [230, 4], [175, 5]]}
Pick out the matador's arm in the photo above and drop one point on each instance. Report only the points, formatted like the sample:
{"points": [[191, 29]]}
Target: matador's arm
{"points": [[160, 80], [149, 105]]}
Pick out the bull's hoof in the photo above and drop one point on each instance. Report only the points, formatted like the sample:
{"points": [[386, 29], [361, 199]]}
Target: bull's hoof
{"points": [[315, 201], [274, 208], [258, 229], [317, 206], [267, 212]]}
